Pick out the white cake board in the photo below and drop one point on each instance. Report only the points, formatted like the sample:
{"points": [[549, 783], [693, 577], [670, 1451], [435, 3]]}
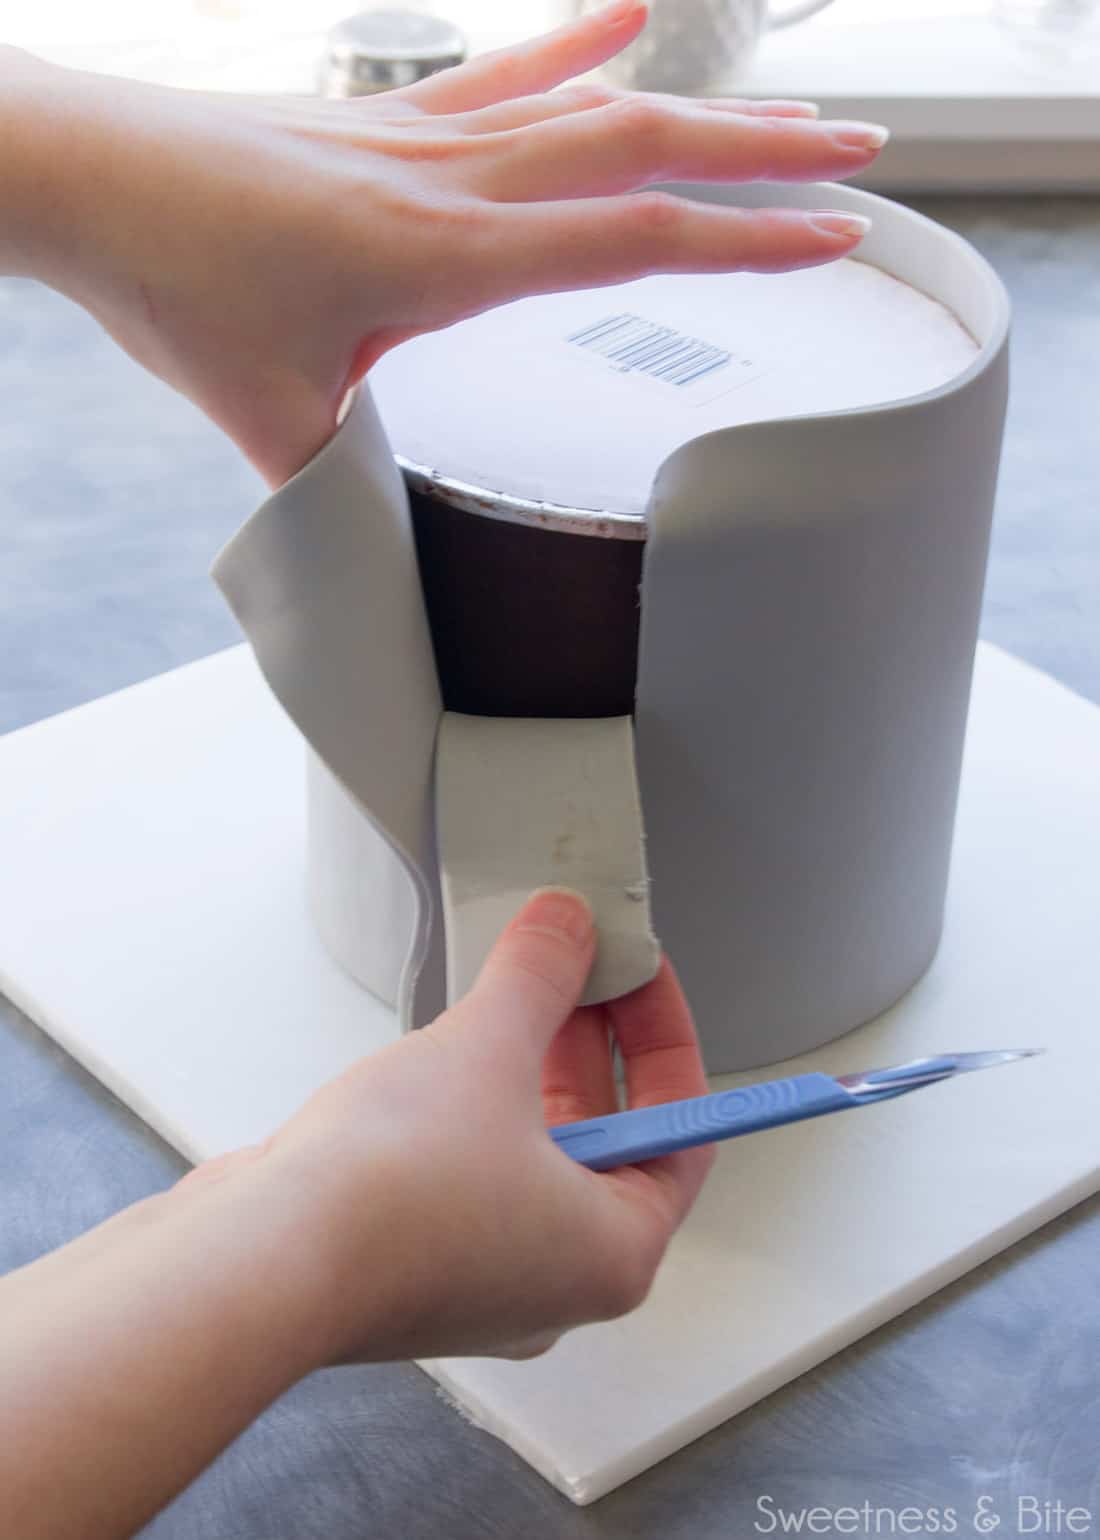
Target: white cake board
{"points": [[152, 921]]}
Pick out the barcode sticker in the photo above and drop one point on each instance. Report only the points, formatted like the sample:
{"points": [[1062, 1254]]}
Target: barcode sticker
{"points": [[671, 366], [632, 344]]}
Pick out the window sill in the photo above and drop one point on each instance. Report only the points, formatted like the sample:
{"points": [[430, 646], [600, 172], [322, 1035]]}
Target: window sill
{"points": [[972, 106]]}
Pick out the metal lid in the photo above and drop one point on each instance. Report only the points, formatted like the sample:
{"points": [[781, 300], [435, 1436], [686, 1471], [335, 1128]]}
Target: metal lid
{"points": [[506, 506], [381, 50]]}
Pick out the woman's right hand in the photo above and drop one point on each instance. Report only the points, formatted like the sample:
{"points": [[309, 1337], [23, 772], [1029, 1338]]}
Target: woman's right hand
{"points": [[434, 1215]]}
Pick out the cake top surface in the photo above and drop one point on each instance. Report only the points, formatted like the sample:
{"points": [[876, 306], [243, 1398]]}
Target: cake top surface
{"points": [[577, 398]]}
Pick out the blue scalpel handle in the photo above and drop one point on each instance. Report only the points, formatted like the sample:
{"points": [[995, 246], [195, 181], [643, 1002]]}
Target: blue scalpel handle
{"points": [[622, 1138]]}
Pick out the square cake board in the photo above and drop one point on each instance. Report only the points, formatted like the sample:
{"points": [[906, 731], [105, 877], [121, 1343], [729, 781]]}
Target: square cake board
{"points": [[152, 921]]}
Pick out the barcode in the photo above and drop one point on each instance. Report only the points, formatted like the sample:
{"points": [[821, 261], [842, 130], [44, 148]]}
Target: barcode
{"points": [[630, 343]]}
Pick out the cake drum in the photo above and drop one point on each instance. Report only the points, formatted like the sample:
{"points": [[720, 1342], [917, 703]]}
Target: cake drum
{"points": [[152, 922]]}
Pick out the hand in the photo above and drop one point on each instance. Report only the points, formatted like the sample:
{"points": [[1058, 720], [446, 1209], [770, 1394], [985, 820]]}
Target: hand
{"points": [[260, 254], [414, 1207], [442, 1218]]}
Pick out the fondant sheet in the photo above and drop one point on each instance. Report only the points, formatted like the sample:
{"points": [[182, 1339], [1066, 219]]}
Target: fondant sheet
{"points": [[152, 920], [324, 581]]}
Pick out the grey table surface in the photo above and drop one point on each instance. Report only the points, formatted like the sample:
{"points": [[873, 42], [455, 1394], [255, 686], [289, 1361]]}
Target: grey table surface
{"points": [[114, 493]]}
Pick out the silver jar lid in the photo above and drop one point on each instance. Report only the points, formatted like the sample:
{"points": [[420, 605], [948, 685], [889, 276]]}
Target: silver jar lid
{"points": [[382, 50]]}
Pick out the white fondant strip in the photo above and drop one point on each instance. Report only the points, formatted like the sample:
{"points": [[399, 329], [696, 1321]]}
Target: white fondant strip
{"points": [[524, 803]]}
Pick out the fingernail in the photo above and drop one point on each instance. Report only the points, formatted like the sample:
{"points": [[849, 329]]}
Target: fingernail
{"points": [[860, 136], [620, 10], [782, 105], [833, 222], [561, 910]]}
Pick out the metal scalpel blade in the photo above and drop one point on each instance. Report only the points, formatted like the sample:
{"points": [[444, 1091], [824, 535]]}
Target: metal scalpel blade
{"points": [[872, 1084], [646, 1133]]}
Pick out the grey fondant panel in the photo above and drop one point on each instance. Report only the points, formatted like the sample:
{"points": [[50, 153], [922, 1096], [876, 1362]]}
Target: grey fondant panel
{"points": [[810, 599], [804, 676], [323, 578]]}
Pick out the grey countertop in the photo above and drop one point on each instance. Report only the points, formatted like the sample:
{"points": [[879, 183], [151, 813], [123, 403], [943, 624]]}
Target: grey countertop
{"points": [[114, 493]]}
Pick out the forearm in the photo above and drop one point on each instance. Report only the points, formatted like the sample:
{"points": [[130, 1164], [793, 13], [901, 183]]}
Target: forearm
{"points": [[132, 1357]]}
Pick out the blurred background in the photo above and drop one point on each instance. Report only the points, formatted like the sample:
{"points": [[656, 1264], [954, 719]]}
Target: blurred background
{"points": [[273, 43], [985, 95]]}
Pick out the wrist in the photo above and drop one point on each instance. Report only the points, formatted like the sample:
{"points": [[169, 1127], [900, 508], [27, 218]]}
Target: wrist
{"points": [[34, 200], [29, 197], [54, 158], [267, 1254], [351, 1220]]}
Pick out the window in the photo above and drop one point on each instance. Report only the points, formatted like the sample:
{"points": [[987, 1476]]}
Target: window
{"points": [[980, 94]]}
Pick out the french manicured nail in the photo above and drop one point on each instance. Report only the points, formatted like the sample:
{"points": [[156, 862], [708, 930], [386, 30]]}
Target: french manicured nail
{"points": [[789, 108], [860, 136], [620, 10], [834, 222], [562, 910]]}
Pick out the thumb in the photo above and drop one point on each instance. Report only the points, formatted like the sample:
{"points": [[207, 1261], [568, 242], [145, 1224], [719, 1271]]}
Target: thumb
{"points": [[532, 979]]}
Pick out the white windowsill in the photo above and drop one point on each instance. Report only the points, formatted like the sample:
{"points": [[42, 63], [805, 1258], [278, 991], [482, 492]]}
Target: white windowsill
{"points": [[972, 105]]}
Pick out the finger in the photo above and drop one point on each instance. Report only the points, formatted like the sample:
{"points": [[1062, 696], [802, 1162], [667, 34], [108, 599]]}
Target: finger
{"points": [[527, 1347], [218, 1167], [656, 1035], [578, 1077], [533, 977], [638, 140], [635, 1209], [661, 1062], [585, 95], [767, 107], [532, 66], [541, 248]]}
